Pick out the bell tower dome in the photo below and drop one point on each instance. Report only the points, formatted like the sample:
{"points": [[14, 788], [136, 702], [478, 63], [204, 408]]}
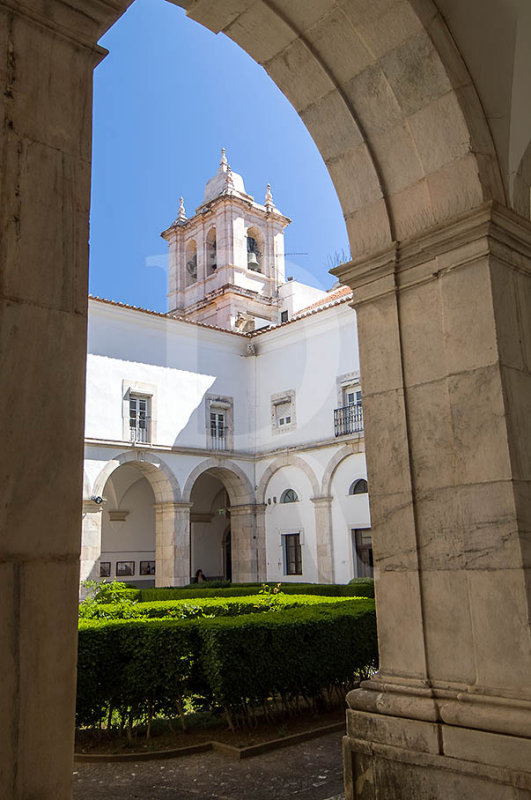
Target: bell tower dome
{"points": [[227, 261]]}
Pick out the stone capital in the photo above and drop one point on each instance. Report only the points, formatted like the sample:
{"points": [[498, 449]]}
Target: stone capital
{"points": [[488, 230], [80, 21], [246, 508], [172, 506], [322, 501]]}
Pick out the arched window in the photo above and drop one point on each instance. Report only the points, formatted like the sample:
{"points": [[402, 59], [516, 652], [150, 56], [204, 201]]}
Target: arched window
{"points": [[211, 252], [289, 496], [359, 487], [191, 262], [255, 249]]}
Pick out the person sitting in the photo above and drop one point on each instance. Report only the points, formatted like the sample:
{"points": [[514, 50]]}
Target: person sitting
{"points": [[200, 576]]}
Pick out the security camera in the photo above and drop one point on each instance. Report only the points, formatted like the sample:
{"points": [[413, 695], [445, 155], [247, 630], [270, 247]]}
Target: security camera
{"points": [[98, 500]]}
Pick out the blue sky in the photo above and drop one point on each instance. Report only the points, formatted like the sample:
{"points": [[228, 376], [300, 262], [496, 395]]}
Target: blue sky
{"points": [[168, 96]]}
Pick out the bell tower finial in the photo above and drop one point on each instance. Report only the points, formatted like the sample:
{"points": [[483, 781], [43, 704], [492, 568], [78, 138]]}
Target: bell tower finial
{"points": [[181, 214], [223, 163], [269, 199]]}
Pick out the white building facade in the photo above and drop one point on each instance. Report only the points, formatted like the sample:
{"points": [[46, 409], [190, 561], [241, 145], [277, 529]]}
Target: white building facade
{"points": [[226, 435]]}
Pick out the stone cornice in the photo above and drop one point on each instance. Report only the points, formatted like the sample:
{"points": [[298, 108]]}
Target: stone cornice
{"points": [[80, 21], [488, 230]]}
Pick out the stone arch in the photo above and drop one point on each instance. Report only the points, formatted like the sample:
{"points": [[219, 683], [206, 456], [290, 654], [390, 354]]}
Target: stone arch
{"points": [[521, 189], [287, 460], [235, 480], [388, 100], [333, 464], [86, 485], [162, 480]]}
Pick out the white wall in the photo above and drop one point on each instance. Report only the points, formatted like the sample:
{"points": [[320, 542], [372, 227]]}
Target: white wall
{"points": [[308, 356], [348, 512], [290, 518]]}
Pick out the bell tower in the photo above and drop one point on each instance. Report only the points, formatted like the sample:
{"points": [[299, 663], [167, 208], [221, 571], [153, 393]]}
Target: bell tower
{"points": [[227, 261]]}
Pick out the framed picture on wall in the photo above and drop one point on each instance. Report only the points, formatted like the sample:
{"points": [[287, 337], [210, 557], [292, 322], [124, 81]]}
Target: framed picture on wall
{"points": [[105, 569], [124, 569], [147, 567]]}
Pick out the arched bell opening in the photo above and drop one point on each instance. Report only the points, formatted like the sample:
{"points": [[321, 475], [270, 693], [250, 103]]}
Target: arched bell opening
{"points": [[255, 249], [191, 262], [211, 252]]}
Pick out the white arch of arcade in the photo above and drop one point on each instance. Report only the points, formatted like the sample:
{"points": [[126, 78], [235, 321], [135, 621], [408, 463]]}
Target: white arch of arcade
{"points": [[239, 557]]}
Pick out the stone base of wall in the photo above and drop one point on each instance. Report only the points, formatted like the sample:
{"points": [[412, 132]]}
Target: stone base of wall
{"points": [[394, 758]]}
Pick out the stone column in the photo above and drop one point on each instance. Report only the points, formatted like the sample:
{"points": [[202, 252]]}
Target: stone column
{"points": [[172, 543], [445, 346], [261, 541], [323, 536], [246, 562], [48, 52], [91, 540]]}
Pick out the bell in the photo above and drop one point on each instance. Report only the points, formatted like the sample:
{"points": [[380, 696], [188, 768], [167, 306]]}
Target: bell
{"points": [[252, 262]]}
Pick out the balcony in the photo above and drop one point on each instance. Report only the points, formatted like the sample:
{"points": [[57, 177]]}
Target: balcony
{"points": [[218, 441], [348, 419], [139, 433]]}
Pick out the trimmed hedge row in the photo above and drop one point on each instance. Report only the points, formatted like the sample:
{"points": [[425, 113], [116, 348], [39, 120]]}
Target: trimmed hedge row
{"points": [[214, 606], [362, 587], [143, 667]]}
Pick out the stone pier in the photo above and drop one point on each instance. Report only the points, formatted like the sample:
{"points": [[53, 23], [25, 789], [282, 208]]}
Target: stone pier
{"points": [[445, 339]]}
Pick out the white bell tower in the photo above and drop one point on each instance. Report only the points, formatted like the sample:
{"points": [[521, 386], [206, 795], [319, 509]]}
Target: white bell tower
{"points": [[227, 261]]}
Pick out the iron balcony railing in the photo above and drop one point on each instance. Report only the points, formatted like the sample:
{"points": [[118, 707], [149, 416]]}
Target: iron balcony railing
{"points": [[140, 432], [348, 419], [218, 441]]}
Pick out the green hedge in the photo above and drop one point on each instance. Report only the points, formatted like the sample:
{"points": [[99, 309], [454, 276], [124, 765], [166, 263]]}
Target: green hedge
{"points": [[299, 652], [208, 606], [361, 587], [142, 667]]}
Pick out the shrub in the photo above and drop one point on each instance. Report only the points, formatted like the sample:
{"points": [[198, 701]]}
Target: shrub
{"points": [[136, 668], [210, 606], [359, 587], [298, 652]]}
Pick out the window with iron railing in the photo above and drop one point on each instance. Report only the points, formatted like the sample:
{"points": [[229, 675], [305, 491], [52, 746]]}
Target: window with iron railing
{"points": [[348, 419], [139, 418], [218, 431]]}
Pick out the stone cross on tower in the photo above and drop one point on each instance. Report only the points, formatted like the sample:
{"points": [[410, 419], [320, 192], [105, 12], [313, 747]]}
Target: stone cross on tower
{"points": [[228, 259]]}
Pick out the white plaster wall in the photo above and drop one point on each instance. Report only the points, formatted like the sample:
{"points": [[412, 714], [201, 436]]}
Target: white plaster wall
{"points": [[181, 360], [295, 296], [348, 512], [290, 518], [307, 356]]}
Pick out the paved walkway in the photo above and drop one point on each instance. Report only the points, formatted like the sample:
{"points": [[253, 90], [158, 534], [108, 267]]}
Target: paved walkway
{"points": [[308, 771]]}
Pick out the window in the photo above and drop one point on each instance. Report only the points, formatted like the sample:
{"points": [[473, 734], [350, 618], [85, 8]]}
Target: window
{"points": [[291, 547], [359, 487], [219, 422], [289, 496], [283, 316], [125, 569], [139, 418], [147, 568], [352, 396], [139, 412], [217, 430], [105, 569], [283, 411], [363, 551]]}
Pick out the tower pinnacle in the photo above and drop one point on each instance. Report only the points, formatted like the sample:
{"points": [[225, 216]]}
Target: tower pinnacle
{"points": [[269, 199], [181, 214]]}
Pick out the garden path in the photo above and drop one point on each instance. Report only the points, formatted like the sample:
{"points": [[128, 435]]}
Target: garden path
{"points": [[307, 771]]}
